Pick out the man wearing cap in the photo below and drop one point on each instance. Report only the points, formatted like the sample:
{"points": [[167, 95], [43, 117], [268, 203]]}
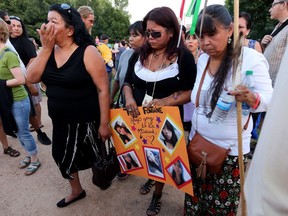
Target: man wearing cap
{"points": [[106, 54]]}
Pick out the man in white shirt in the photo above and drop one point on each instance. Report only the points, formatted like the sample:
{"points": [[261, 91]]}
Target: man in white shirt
{"points": [[266, 188]]}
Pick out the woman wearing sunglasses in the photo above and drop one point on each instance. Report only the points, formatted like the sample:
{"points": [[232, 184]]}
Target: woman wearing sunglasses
{"points": [[161, 73], [77, 90]]}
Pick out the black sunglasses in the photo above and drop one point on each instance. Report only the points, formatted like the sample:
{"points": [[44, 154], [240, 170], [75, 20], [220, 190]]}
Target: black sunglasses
{"points": [[153, 34], [8, 22]]}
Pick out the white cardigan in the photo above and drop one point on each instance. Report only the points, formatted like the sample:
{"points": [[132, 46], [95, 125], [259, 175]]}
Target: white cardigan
{"points": [[225, 135]]}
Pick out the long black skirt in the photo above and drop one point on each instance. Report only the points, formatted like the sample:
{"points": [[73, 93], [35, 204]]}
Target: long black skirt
{"points": [[74, 146]]}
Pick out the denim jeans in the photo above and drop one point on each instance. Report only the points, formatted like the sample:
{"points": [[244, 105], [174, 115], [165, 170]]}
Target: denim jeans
{"points": [[21, 112]]}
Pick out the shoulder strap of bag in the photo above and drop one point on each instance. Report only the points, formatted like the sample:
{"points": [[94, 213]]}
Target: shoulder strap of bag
{"points": [[103, 152], [280, 28], [199, 90], [201, 83], [5, 50]]}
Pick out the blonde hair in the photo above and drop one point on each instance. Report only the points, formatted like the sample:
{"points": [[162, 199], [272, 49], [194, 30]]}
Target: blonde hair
{"points": [[4, 33], [85, 11]]}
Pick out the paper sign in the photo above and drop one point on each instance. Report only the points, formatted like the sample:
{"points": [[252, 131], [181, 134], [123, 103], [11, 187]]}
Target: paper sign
{"points": [[152, 145]]}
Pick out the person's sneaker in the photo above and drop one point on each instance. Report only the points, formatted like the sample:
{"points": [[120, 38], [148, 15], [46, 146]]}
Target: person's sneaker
{"points": [[121, 176], [43, 138]]}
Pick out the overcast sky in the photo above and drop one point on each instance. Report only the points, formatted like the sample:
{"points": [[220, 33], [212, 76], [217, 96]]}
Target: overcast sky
{"points": [[139, 8]]}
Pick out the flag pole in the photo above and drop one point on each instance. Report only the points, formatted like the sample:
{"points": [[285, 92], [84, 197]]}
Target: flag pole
{"points": [[181, 21], [237, 74]]}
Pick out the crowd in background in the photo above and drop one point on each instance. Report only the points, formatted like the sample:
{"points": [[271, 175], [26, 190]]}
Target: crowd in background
{"points": [[83, 75]]}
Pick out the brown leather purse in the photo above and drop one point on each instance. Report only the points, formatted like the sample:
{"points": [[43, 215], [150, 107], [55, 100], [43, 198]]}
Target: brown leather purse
{"points": [[204, 154]]}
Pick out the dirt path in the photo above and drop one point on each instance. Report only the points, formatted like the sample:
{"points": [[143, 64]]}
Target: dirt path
{"points": [[38, 194]]}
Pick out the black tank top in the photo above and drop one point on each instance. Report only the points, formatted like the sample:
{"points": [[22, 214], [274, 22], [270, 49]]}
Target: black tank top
{"points": [[72, 94]]}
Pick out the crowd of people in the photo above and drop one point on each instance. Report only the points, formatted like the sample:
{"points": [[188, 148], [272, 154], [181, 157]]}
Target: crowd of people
{"points": [[77, 72]]}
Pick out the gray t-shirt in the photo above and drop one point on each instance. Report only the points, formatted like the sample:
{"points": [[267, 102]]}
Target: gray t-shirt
{"points": [[123, 66], [122, 69]]}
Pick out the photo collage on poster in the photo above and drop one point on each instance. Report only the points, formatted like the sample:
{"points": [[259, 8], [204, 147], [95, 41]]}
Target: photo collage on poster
{"points": [[152, 145]]}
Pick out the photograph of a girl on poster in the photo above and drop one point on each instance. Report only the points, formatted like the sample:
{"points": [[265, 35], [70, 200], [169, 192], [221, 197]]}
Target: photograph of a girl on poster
{"points": [[129, 161], [153, 161], [178, 173], [169, 135], [123, 132]]}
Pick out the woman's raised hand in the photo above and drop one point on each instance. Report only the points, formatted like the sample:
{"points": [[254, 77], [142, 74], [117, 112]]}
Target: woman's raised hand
{"points": [[47, 34]]}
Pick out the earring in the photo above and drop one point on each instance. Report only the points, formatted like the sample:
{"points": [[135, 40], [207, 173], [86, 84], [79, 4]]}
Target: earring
{"points": [[229, 40]]}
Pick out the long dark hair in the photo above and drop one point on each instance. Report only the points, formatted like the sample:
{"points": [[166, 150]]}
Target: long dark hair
{"points": [[123, 137], [129, 164], [25, 33], [118, 125], [153, 164], [166, 18], [217, 15], [247, 18], [181, 176], [137, 28], [72, 18], [174, 137]]}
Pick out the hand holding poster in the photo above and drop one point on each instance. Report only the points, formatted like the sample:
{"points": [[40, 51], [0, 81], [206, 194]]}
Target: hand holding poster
{"points": [[152, 145]]}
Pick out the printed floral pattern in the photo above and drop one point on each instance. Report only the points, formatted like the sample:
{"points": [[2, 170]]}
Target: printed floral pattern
{"points": [[218, 194]]}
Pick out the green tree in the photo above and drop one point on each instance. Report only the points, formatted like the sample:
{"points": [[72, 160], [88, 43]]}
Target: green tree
{"points": [[109, 20], [121, 4], [259, 10]]}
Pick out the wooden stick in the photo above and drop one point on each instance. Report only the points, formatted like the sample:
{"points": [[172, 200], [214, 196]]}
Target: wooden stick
{"points": [[239, 110], [202, 18]]}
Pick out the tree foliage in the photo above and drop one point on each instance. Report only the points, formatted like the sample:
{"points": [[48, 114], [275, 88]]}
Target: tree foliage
{"points": [[113, 21], [121, 4], [259, 10]]}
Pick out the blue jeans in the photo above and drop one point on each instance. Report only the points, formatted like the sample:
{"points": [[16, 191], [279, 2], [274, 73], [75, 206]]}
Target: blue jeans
{"points": [[21, 112]]}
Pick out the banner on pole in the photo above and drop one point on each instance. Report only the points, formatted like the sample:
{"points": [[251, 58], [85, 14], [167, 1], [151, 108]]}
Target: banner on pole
{"points": [[193, 10]]}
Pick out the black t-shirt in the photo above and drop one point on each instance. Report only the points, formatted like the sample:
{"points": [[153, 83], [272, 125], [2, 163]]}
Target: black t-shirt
{"points": [[25, 48], [72, 94], [184, 80]]}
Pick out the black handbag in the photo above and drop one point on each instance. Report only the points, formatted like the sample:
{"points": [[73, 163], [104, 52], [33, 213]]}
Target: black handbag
{"points": [[106, 167]]}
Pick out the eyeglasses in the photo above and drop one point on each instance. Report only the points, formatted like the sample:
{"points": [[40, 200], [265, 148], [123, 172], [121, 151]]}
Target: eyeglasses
{"points": [[66, 7], [8, 22], [15, 17], [153, 34], [275, 3]]}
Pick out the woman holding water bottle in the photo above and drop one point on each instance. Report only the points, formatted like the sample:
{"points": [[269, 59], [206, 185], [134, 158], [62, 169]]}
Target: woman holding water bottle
{"points": [[219, 193]]}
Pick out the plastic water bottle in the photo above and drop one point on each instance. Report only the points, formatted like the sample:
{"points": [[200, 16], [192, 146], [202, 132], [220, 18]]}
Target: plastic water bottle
{"points": [[249, 82], [222, 108]]}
